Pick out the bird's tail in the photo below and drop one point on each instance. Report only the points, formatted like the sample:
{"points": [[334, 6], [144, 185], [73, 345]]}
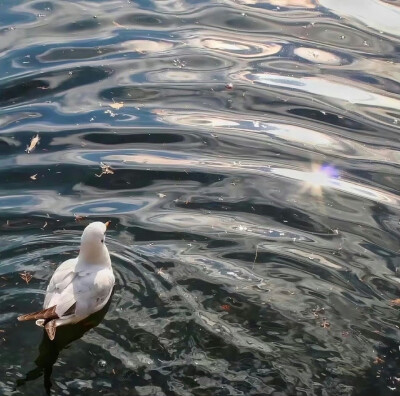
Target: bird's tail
{"points": [[46, 318], [49, 313], [50, 328]]}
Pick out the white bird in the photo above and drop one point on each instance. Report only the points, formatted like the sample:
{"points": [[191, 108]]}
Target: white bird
{"points": [[79, 286]]}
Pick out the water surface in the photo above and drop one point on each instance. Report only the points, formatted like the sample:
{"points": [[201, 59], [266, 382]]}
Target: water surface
{"points": [[251, 173]]}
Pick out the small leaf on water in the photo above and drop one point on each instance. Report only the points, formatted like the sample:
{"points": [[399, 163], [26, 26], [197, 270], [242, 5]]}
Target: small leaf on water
{"points": [[105, 170], [378, 360], [26, 276], [118, 25], [117, 105], [325, 324], [79, 217], [395, 302], [34, 141]]}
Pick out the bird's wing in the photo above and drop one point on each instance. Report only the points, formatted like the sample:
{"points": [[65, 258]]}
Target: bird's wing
{"points": [[92, 290], [60, 282], [61, 279], [85, 289]]}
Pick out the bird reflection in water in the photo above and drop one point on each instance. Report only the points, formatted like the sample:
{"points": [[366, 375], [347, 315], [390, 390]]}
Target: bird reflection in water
{"points": [[49, 350]]}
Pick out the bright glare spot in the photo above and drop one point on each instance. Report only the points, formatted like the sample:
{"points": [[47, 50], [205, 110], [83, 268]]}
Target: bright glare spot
{"points": [[318, 177]]}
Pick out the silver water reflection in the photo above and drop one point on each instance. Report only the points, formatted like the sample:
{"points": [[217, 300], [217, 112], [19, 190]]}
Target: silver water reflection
{"points": [[254, 199]]}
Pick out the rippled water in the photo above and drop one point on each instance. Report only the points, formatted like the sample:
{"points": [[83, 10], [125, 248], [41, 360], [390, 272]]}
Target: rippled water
{"points": [[254, 194]]}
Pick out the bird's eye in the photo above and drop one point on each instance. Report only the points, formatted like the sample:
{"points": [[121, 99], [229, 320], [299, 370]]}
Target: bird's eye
{"points": [[102, 241]]}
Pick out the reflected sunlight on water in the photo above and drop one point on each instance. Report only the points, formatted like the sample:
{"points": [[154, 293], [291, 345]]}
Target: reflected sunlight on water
{"points": [[254, 194]]}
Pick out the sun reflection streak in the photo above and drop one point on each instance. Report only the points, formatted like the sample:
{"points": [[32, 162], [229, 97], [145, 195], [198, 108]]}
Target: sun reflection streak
{"points": [[319, 177], [327, 177]]}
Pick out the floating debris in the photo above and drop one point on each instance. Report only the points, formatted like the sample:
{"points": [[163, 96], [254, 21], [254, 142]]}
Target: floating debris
{"points": [[179, 63], [33, 177], [395, 302], [318, 311], [325, 324], [226, 307], [26, 276], [105, 170], [110, 112], [79, 218], [117, 105], [229, 86], [255, 258], [161, 195], [118, 25], [34, 142], [102, 363], [378, 360]]}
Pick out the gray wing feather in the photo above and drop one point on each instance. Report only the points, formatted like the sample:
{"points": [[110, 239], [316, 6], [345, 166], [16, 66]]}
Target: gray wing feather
{"points": [[59, 282]]}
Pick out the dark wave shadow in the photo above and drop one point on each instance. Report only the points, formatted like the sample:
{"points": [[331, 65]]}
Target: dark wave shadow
{"points": [[50, 350], [382, 377]]}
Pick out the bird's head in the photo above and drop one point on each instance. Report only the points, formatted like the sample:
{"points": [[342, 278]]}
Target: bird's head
{"points": [[93, 239]]}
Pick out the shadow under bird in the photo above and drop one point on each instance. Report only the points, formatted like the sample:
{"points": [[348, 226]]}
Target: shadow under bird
{"points": [[80, 286], [50, 349]]}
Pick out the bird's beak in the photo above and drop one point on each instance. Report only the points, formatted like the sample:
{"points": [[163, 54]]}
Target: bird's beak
{"points": [[107, 223]]}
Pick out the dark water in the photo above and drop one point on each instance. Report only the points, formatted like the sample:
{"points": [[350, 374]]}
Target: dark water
{"points": [[254, 194]]}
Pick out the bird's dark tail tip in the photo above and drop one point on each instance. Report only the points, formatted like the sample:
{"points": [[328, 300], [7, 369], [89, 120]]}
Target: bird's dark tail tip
{"points": [[50, 328], [49, 313]]}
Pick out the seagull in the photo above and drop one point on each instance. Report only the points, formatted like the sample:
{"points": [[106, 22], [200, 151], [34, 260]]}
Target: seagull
{"points": [[79, 286]]}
